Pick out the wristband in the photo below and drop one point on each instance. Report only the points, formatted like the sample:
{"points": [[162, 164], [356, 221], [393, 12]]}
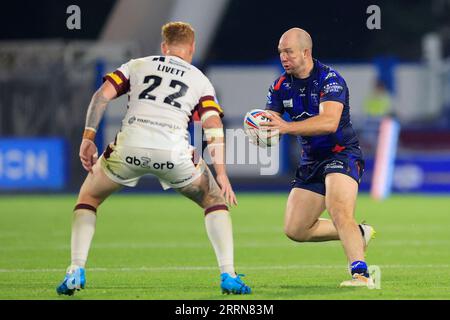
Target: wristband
{"points": [[89, 133], [209, 114], [213, 133]]}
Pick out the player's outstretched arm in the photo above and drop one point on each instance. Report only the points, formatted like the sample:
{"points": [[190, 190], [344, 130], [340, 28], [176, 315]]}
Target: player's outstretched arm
{"points": [[213, 127], [88, 150]]}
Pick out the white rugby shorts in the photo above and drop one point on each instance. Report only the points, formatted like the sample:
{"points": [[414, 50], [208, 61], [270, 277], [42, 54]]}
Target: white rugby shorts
{"points": [[126, 165]]}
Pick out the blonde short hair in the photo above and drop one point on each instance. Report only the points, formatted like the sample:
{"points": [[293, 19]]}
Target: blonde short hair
{"points": [[177, 33]]}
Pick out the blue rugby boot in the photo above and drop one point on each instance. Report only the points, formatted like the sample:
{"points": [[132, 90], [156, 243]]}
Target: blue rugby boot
{"points": [[75, 279], [233, 285]]}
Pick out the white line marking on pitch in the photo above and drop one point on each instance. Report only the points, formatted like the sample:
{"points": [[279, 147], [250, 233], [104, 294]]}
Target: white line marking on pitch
{"points": [[200, 268], [205, 244]]}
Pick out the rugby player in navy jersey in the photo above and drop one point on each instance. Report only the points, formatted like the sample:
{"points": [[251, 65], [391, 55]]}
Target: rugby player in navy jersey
{"points": [[316, 98]]}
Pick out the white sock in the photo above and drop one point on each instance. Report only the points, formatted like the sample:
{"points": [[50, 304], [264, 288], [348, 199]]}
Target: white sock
{"points": [[83, 229], [220, 233]]}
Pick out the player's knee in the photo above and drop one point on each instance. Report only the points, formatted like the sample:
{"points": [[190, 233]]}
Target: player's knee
{"points": [[214, 203], [296, 234], [213, 200]]}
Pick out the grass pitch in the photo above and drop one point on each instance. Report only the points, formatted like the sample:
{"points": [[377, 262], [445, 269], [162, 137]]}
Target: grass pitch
{"points": [[156, 247]]}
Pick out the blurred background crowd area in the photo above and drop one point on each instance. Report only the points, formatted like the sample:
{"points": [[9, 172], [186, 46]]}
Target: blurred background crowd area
{"points": [[48, 73]]}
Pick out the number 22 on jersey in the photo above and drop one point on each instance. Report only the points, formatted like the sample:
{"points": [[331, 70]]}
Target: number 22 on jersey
{"points": [[155, 81]]}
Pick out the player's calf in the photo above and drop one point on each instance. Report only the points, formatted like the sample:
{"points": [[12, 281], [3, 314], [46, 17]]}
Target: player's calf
{"points": [[319, 230]]}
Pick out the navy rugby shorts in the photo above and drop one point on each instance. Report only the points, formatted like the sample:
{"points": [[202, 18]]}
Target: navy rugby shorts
{"points": [[311, 176]]}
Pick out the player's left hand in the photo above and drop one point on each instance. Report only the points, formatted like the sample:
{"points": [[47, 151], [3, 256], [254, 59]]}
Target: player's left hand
{"points": [[275, 123], [227, 190]]}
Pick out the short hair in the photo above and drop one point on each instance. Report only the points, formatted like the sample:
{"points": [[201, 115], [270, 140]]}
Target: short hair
{"points": [[177, 33]]}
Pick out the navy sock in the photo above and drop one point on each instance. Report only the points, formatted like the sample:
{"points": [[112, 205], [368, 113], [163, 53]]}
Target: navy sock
{"points": [[359, 267]]}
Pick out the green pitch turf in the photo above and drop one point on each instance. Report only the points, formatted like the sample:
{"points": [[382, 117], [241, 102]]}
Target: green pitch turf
{"points": [[156, 247]]}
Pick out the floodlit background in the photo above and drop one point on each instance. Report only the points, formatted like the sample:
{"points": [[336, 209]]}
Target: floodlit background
{"points": [[154, 245], [48, 74]]}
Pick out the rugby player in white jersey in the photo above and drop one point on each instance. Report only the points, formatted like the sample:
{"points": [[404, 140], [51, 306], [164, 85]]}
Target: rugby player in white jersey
{"points": [[163, 91]]}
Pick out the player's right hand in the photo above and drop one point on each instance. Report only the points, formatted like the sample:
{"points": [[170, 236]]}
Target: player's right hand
{"points": [[88, 154], [276, 123]]}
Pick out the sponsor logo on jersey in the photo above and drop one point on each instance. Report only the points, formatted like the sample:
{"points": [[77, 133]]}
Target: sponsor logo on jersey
{"points": [[131, 120], [180, 64], [335, 164], [330, 74], [304, 114], [332, 87], [287, 85], [314, 99], [269, 98], [145, 162], [182, 180], [162, 59], [288, 103], [149, 122]]}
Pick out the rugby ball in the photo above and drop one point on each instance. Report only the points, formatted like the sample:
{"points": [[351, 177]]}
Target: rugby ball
{"points": [[262, 138]]}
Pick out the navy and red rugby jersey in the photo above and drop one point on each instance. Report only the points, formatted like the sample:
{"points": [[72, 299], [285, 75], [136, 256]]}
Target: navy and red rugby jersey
{"points": [[300, 98]]}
